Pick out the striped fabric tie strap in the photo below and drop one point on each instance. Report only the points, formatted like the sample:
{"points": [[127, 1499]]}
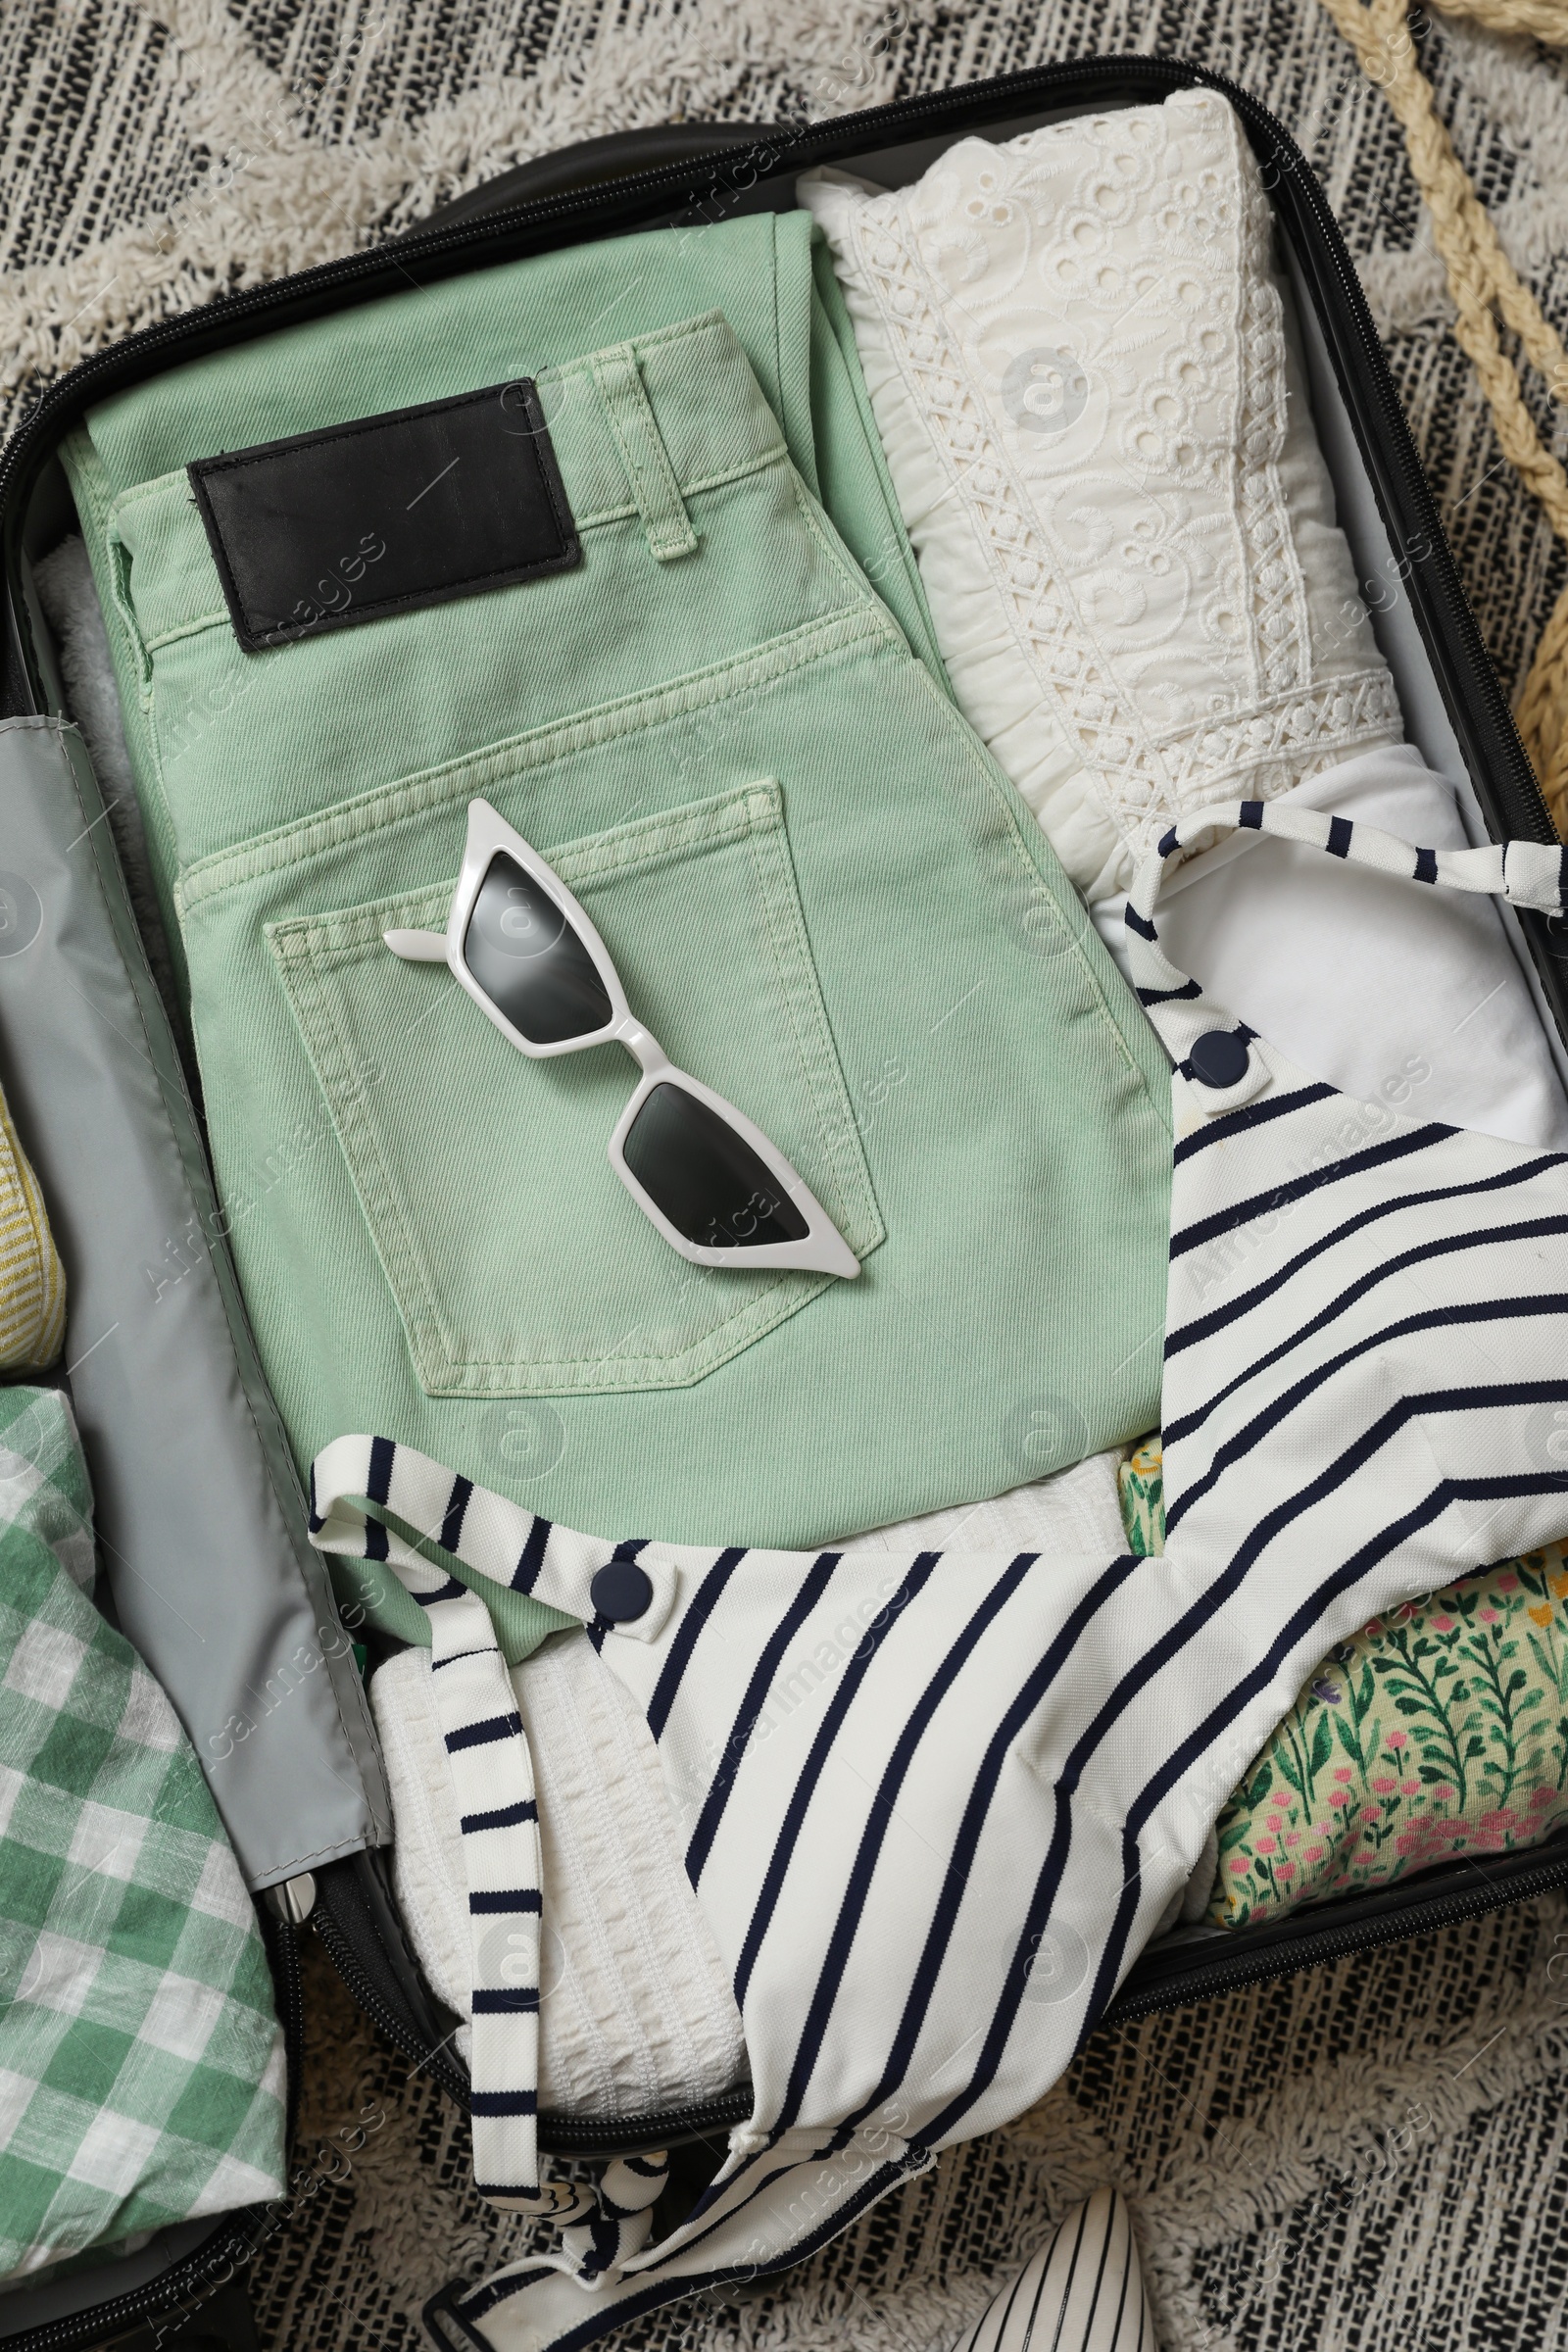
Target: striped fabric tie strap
{"points": [[600, 2247], [364, 1488], [356, 1486], [1529, 874], [492, 1775]]}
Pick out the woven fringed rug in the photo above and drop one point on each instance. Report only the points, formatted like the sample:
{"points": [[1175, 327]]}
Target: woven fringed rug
{"points": [[1371, 2158], [1367, 2158]]}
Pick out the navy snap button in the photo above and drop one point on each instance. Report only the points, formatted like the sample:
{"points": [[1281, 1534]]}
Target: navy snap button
{"points": [[1219, 1058], [621, 1592]]}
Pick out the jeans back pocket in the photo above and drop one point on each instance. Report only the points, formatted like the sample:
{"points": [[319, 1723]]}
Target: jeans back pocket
{"points": [[519, 1264]]}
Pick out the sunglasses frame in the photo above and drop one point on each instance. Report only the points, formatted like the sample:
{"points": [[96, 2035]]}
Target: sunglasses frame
{"points": [[821, 1249]]}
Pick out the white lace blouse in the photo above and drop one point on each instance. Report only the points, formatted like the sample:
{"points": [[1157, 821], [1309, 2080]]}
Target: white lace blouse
{"points": [[1075, 350]]}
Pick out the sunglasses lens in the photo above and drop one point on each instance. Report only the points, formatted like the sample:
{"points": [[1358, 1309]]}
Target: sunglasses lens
{"points": [[529, 961], [704, 1178]]}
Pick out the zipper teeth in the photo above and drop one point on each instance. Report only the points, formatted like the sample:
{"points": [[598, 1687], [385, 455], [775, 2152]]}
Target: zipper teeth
{"points": [[362, 1986], [593, 2134], [94, 2322], [1336, 1943], [1525, 794], [90, 2326], [293, 2021]]}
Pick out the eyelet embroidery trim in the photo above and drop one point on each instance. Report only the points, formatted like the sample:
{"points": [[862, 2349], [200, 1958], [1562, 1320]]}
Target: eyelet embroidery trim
{"points": [[1157, 249]]}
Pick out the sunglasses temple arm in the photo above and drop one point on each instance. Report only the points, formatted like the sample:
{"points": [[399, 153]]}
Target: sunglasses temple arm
{"points": [[418, 947]]}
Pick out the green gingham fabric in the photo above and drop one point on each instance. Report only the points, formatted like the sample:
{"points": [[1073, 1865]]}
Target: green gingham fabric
{"points": [[141, 2062]]}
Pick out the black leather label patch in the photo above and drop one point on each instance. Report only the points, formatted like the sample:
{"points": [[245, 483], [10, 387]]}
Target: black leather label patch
{"points": [[386, 514]]}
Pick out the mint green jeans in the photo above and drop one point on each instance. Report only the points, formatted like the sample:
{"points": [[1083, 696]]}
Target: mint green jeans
{"points": [[822, 896]]}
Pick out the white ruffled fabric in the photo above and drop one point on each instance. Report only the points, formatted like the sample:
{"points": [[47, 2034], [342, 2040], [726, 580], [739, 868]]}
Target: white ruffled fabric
{"points": [[1076, 354], [636, 2015]]}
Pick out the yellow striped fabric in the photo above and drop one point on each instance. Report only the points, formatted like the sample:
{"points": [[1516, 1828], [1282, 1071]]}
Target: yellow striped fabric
{"points": [[32, 1281]]}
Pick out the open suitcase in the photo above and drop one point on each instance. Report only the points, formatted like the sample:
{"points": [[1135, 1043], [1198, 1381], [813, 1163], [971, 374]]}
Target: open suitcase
{"points": [[230, 1606]]}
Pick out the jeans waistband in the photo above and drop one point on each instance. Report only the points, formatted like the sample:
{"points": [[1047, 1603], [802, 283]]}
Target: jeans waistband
{"points": [[637, 429]]}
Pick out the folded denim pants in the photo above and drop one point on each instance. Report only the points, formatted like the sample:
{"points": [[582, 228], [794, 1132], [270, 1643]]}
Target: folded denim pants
{"points": [[821, 894]]}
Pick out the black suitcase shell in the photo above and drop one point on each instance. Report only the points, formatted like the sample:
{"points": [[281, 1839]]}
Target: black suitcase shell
{"points": [[685, 174]]}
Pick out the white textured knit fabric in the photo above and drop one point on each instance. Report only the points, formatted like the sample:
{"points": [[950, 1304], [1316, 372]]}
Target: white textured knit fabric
{"points": [[636, 2016], [1076, 353]]}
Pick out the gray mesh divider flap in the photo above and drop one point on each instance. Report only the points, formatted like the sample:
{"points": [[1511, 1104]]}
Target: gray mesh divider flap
{"points": [[200, 1516]]}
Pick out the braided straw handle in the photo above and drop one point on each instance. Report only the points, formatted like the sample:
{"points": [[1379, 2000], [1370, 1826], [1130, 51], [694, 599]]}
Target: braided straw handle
{"points": [[1484, 284]]}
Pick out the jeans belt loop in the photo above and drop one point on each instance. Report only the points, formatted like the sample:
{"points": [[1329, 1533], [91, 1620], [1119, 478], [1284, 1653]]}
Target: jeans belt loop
{"points": [[643, 454]]}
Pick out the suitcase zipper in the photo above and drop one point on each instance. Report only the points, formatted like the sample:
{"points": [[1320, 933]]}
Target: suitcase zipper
{"points": [[368, 1993], [559, 2134], [1321, 1947]]}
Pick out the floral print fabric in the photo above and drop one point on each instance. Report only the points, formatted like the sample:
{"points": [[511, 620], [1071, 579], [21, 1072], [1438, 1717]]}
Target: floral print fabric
{"points": [[1441, 1730], [1141, 1484]]}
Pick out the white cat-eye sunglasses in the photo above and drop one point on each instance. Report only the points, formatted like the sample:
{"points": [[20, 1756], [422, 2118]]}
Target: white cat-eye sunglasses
{"points": [[716, 1188]]}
